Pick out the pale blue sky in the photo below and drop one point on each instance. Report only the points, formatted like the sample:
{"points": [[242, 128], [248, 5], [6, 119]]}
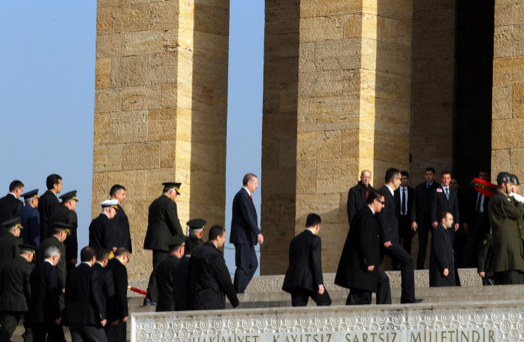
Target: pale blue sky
{"points": [[47, 73]]}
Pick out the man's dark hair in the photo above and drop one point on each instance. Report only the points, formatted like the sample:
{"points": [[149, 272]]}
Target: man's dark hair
{"points": [[312, 220], [404, 173], [174, 248], [430, 169], [52, 180], [191, 245], [390, 174], [101, 254], [374, 195], [121, 251], [15, 185], [443, 215], [485, 169], [445, 172], [87, 253], [216, 231], [248, 177], [116, 188]]}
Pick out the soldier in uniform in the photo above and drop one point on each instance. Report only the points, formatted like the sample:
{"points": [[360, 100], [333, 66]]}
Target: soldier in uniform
{"points": [[180, 279], [9, 242], [66, 214], [117, 265], [164, 274], [196, 229], [49, 203], [101, 229], [121, 235], [163, 223], [30, 219], [15, 293], [10, 203], [504, 214]]}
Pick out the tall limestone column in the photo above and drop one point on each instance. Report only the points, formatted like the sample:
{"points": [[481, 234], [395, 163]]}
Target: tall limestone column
{"points": [[161, 109], [337, 92], [508, 89]]}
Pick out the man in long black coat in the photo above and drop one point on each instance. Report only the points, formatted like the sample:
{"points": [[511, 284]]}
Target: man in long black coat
{"points": [[49, 203], [101, 229], [387, 220], [359, 268], [357, 195], [441, 262], [15, 293], [121, 233], [304, 275], [164, 274], [209, 278], [420, 221], [180, 277], [107, 283], [10, 204], [163, 223], [9, 242], [44, 306], [84, 312], [66, 214], [442, 199], [117, 265]]}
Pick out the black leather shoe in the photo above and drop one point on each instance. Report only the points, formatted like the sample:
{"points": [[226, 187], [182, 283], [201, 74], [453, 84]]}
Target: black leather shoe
{"points": [[148, 302], [412, 301]]}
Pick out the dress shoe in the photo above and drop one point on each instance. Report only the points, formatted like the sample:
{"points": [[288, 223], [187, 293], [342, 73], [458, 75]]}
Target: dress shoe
{"points": [[412, 301], [148, 302]]}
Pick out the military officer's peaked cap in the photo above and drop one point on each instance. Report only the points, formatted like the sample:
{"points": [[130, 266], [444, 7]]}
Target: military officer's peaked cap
{"points": [[68, 196], [31, 194], [27, 248], [14, 222], [110, 203], [64, 226], [172, 185], [176, 240], [196, 224]]}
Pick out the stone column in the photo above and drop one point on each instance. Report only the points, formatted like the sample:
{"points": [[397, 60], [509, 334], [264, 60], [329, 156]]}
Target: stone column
{"points": [[345, 105], [508, 89], [161, 109]]}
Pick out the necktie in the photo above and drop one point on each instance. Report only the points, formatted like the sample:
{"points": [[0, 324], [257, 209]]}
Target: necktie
{"points": [[251, 198], [367, 192], [404, 204], [447, 193], [479, 199], [427, 185]]}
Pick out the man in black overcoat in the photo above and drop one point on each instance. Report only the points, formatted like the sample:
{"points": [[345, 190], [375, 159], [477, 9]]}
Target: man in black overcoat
{"points": [[117, 265], [180, 277], [49, 203], [15, 293], [10, 204], [420, 220], [387, 220], [44, 306], [84, 312], [209, 279], [163, 223], [404, 202], [66, 214], [10, 241], [245, 233], [441, 262], [121, 232], [164, 273], [443, 199], [359, 268], [101, 229], [108, 284], [304, 275], [357, 195]]}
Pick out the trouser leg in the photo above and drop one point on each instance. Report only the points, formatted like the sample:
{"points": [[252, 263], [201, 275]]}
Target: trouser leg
{"points": [[423, 235], [152, 289], [358, 297], [321, 299], [383, 287], [299, 298], [406, 270], [246, 263]]}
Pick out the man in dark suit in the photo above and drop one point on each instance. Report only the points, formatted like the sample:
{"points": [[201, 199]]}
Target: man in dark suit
{"points": [[387, 220], [245, 233], [122, 234], [49, 203], [44, 306], [101, 229], [164, 274], [420, 221], [404, 202], [9, 242], [196, 229], [441, 262], [476, 220], [209, 279], [359, 268], [163, 223], [30, 219], [108, 283], [117, 265], [180, 278], [357, 195], [15, 293], [66, 214], [444, 199], [84, 312], [304, 275], [10, 204]]}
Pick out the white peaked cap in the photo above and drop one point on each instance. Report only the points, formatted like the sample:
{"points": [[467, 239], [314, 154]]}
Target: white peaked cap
{"points": [[109, 203]]}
